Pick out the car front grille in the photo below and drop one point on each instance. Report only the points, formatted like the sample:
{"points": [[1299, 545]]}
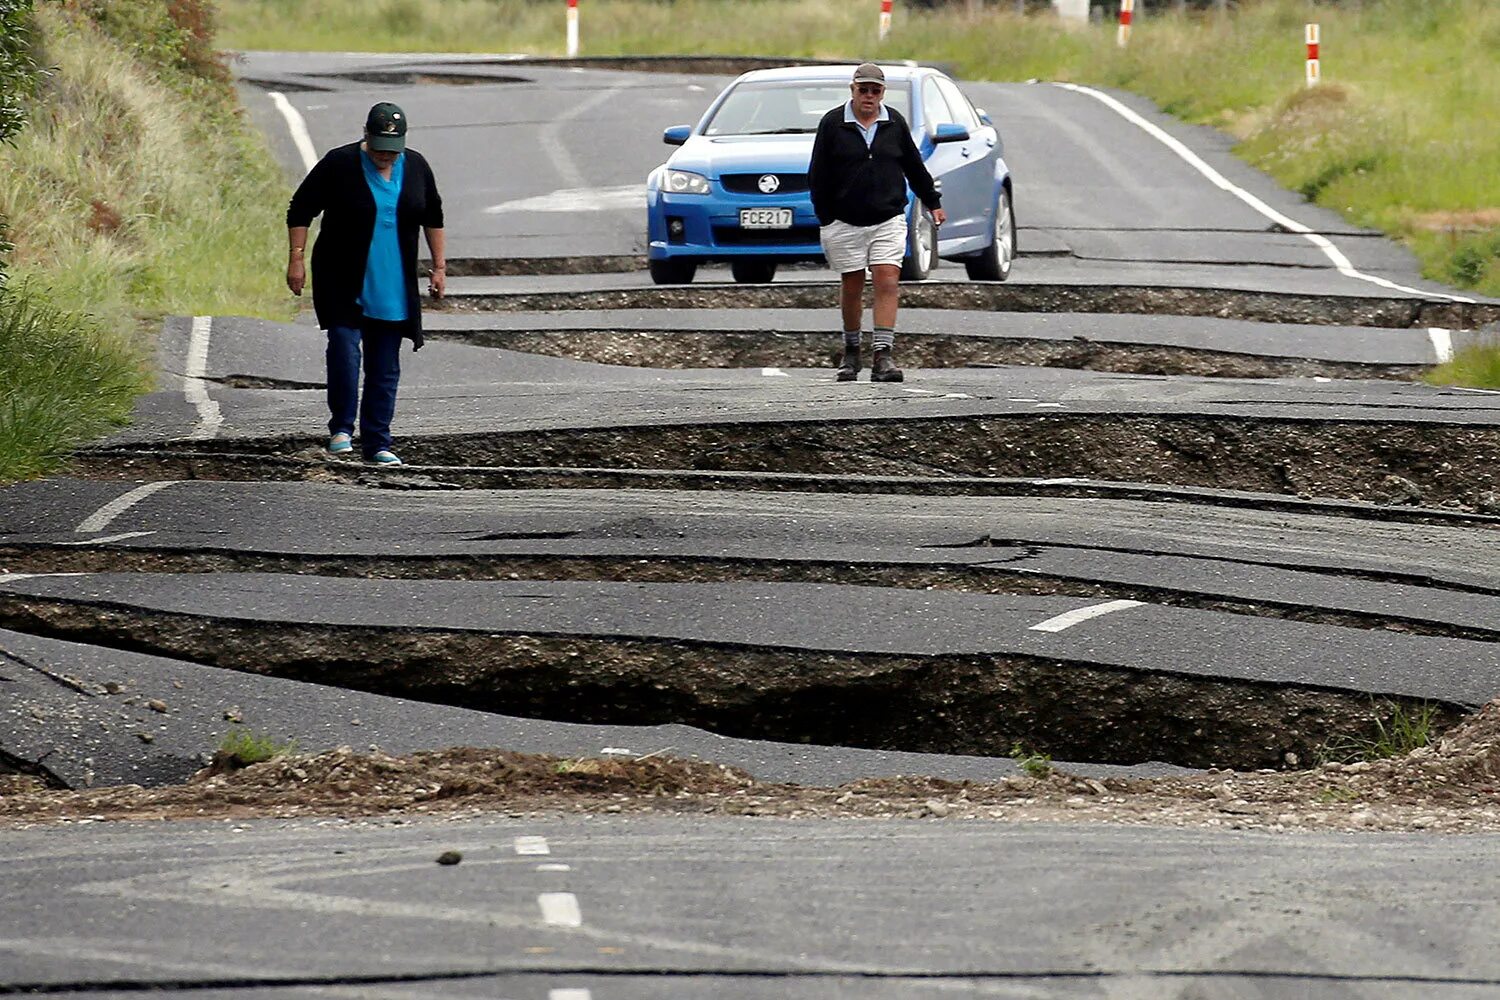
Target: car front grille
{"points": [[750, 183], [728, 236]]}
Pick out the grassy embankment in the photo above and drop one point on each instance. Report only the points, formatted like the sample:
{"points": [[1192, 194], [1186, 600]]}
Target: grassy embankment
{"points": [[1400, 137], [134, 192]]}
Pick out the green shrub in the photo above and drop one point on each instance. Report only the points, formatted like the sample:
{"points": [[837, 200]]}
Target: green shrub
{"points": [[242, 747]]}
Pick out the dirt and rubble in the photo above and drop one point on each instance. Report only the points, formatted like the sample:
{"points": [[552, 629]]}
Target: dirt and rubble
{"points": [[1451, 786]]}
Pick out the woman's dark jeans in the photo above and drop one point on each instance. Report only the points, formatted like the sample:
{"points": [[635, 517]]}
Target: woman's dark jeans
{"points": [[382, 357]]}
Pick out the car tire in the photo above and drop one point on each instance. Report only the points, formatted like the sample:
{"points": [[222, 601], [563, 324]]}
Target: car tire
{"points": [[672, 271], [750, 271], [921, 248], [995, 262]]}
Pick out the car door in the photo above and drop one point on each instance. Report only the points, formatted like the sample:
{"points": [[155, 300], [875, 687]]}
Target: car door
{"points": [[961, 166]]}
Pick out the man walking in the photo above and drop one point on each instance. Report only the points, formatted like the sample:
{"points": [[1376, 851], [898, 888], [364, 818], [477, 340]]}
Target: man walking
{"points": [[862, 161]]}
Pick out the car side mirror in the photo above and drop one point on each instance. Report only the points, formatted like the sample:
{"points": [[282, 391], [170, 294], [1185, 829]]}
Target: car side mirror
{"points": [[984, 116], [951, 132], [676, 135]]}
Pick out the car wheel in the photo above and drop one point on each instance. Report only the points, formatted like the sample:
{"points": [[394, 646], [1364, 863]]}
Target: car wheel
{"points": [[995, 262], [753, 272], [921, 248], [672, 271]]}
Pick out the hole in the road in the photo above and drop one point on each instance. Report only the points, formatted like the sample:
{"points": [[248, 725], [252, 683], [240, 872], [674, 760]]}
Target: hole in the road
{"points": [[407, 78], [1400, 464], [982, 705], [760, 348]]}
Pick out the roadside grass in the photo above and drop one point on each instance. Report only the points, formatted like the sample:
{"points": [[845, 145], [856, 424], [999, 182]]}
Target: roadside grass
{"points": [[64, 379], [1034, 764], [1478, 365], [1398, 138], [128, 197], [243, 747], [1398, 730]]}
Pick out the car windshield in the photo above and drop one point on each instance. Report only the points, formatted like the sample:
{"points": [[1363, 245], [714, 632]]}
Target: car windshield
{"points": [[784, 108]]}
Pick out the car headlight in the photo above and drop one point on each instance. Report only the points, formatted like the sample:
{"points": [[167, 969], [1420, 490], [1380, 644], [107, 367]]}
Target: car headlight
{"points": [[683, 182]]}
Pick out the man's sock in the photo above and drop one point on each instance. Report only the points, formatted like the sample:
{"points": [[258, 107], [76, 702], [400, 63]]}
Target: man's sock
{"points": [[885, 338], [851, 340]]}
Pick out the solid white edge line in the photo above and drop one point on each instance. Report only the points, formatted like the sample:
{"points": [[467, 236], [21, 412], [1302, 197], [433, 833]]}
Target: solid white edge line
{"points": [[554, 867], [99, 519], [298, 128], [772, 372], [12, 577], [1342, 263], [195, 386], [1071, 618], [1442, 343], [569, 994], [111, 538], [560, 909], [532, 845]]}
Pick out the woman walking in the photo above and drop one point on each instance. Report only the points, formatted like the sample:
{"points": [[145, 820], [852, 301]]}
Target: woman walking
{"points": [[374, 195]]}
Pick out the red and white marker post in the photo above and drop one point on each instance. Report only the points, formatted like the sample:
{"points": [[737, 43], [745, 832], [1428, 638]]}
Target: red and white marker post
{"points": [[572, 28], [1314, 64], [1127, 14], [885, 18]]}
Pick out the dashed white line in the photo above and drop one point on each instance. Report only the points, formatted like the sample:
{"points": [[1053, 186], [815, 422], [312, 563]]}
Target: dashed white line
{"points": [[1323, 243], [195, 388], [1071, 618], [560, 909], [1060, 481], [569, 994], [550, 138], [532, 845], [298, 128], [111, 538], [554, 867], [1442, 343], [774, 373], [99, 519]]}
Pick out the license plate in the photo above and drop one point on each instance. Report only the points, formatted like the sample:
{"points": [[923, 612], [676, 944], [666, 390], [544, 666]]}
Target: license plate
{"points": [[765, 218]]}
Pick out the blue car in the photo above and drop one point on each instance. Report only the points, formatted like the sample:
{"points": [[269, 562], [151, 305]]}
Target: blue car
{"points": [[737, 189]]}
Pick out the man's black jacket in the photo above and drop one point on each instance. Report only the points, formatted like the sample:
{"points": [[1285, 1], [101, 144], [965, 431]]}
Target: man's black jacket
{"points": [[864, 186], [337, 189]]}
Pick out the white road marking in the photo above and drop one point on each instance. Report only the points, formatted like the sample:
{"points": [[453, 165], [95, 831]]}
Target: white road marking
{"points": [[569, 995], [554, 867], [99, 519], [917, 392], [1323, 243], [195, 387], [578, 199], [298, 128], [1060, 481], [1442, 343], [560, 909], [1041, 406], [111, 538], [551, 138], [957, 395], [620, 751], [532, 845], [12, 577], [1071, 618], [774, 373]]}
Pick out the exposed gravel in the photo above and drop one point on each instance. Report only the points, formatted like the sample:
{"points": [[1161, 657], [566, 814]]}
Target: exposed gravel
{"points": [[1453, 786]]}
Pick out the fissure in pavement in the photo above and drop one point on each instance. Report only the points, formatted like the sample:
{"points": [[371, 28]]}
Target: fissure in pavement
{"points": [[983, 705], [760, 348]]}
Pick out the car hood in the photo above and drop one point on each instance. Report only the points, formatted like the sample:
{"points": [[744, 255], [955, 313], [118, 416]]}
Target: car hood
{"points": [[715, 156]]}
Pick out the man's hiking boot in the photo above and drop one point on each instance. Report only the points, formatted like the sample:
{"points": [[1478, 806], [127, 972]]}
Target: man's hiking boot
{"points": [[881, 368], [849, 367]]}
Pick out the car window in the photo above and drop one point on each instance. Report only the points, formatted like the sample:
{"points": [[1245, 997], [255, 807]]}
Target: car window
{"points": [[785, 107], [958, 104], [934, 108]]}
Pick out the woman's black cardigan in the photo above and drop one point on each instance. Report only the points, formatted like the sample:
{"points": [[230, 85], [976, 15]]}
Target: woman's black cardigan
{"points": [[336, 187]]}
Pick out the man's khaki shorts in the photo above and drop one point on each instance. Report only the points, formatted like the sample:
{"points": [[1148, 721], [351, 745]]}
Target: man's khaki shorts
{"points": [[854, 248]]}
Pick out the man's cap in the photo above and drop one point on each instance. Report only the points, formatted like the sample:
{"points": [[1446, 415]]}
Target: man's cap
{"points": [[869, 73], [385, 128]]}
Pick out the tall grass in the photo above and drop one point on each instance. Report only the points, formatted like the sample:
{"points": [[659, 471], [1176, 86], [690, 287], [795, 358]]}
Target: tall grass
{"points": [[1400, 137], [134, 192], [65, 379]]}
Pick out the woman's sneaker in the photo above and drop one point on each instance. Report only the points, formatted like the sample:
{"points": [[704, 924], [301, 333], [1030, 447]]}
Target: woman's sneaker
{"points": [[340, 443], [384, 458]]}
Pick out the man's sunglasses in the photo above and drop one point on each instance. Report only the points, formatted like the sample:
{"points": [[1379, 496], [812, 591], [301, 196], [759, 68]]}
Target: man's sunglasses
{"points": [[870, 88]]}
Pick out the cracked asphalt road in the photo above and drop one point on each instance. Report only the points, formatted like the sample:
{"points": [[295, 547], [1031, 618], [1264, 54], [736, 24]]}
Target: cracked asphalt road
{"points": [[1271, 554]]}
